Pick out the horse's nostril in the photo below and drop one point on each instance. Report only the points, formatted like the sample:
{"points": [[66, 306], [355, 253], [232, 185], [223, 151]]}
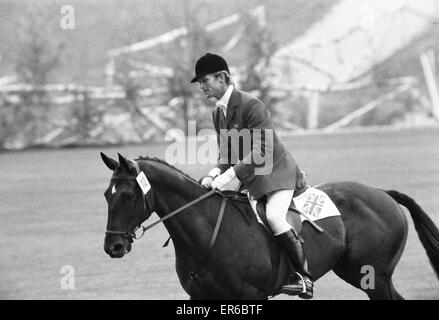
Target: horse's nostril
{"points": [[117, 248]]}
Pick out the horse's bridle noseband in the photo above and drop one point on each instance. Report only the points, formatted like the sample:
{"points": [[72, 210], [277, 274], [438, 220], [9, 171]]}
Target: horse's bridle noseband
{"points": [[129, 235]]}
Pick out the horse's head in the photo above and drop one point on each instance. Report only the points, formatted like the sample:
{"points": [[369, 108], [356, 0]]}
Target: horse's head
{"points": [[128, 206]]}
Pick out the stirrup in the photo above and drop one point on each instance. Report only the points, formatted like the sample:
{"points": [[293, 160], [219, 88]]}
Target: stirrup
{"points": [[304, 293], [303, 282], [299, 289]]}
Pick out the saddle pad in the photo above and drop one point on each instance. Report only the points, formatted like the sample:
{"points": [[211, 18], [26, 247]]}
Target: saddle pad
{"points": [[314, 205]]}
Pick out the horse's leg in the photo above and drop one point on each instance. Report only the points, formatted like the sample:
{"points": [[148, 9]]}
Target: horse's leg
{"points": [[376, 286], [376, 232], [383, 290], [384, 286]]}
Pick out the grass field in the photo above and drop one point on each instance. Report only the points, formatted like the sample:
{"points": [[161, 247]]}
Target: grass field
{"points": [[53, 213]]}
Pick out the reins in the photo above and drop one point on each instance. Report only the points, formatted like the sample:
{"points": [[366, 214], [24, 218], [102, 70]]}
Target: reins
{"points": [[194, 275], [132, 235], [173, 213]]}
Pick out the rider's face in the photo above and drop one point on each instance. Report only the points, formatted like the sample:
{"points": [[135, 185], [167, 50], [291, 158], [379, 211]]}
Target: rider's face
{"points": [[212, 86]]}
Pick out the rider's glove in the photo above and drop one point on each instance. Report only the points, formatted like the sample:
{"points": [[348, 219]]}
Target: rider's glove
{"points": [[224, 179], [207, 180]]}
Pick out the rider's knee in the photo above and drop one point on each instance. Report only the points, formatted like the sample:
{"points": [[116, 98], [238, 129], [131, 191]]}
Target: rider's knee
{"points": [[278, 224]]}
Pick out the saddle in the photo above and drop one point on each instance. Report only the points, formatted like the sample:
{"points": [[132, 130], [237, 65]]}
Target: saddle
{"points": [[293, 215], [305, 231]]}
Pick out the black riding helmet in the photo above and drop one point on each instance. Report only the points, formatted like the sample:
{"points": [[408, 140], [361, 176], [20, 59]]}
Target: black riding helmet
{"points": [[209, 63]]}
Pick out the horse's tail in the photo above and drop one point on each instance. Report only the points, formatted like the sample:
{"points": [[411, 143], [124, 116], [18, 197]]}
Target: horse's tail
{"points": [[427, 231]]}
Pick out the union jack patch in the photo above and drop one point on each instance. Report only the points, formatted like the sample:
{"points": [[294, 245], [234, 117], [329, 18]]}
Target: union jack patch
{"points": [[314, 205]]}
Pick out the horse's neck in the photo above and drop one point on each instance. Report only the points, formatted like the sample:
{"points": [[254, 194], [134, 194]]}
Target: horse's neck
{"points": [[171, 195], [189, 227]]}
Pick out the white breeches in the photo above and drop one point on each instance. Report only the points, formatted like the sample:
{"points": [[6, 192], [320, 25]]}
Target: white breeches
{"points": [[278, 203]]}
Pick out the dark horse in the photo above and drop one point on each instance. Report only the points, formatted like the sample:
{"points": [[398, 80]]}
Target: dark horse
{"points": [[246, 262]]}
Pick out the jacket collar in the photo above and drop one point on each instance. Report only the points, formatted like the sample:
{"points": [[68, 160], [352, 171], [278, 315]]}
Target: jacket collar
{"points": [[235, 100], [224, 101]]}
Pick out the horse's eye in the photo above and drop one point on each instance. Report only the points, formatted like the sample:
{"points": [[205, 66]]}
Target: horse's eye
{"points": [[127, 195]]}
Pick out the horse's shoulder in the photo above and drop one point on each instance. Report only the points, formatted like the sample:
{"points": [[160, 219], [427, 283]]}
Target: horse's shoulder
{"points": [[239, 202]]}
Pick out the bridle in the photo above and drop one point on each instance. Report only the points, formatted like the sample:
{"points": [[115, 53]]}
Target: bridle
{"points": [[131, 235]]}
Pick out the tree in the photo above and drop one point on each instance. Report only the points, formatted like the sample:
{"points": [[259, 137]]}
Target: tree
{"points": [[259, 49], [184, 54], [40, 52], [37, 58]]}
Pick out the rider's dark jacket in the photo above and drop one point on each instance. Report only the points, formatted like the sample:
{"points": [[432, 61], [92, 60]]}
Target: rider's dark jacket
{"points": [[248, 142]]}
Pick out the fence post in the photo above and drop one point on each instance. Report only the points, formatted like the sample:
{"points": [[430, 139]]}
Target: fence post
{"points": [[313, 110], [431, 80], [110, 71]]}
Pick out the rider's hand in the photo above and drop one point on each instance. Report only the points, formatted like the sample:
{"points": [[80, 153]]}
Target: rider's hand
{"points": [[207, 181], [223, 179]]}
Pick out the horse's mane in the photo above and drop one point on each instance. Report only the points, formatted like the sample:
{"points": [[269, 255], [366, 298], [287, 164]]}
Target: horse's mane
{"points": [[154, 159], [236, 202]]}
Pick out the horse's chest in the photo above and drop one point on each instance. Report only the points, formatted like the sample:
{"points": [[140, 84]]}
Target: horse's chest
{"points": [[202, 282]]}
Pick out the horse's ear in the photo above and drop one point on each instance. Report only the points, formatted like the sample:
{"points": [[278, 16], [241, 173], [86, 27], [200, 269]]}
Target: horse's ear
{"points": [[110, 163], [123, 162]]}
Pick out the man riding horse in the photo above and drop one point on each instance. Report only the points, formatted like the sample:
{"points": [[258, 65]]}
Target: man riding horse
{"points": [[239, 110]]}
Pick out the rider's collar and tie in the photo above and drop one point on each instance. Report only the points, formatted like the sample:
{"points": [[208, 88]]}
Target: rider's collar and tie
{"points": [[224, 101]]}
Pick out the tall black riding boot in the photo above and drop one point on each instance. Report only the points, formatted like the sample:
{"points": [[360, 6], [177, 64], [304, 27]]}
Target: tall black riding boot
{"points": [[303, 280]]}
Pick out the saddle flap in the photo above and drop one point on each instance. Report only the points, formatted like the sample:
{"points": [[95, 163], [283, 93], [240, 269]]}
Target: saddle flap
{"points": [[294, 220]]}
